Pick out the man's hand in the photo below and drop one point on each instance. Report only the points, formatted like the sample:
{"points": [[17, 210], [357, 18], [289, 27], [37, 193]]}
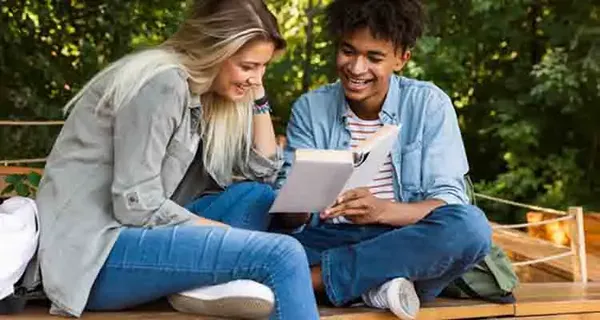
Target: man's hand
{"points": [[359, 206]]}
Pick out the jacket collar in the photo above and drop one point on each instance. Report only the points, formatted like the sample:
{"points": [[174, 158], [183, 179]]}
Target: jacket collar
{"points": [[389, 110]]}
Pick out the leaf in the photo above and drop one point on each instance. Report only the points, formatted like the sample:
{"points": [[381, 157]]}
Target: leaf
{"points": [[22, 190], [10, 188], [13, 178], [34, 178]]}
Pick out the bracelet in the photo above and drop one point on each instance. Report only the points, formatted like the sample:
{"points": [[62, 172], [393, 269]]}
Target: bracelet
{"points": [[261, 106]]}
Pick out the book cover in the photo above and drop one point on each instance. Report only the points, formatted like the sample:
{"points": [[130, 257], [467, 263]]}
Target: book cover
{"points": [[318, 177]]}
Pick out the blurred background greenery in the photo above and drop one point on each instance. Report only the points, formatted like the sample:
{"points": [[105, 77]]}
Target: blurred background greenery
{"points": [[523, 76]]}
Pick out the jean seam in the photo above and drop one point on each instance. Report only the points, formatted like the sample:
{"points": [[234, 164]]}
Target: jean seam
{"points": [[170, 269], [326, 275], [277, 304]]}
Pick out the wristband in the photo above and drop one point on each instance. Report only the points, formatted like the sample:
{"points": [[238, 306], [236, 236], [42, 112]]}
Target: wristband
{"points": [[261, 106]]}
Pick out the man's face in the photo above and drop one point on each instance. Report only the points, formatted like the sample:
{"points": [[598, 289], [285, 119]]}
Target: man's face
{"points": [[365, 64]]}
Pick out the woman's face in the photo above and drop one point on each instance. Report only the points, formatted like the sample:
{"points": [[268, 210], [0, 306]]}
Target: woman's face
{"points": [[244, 70]]}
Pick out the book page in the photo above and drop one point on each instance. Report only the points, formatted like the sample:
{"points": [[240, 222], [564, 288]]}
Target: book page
{"points": [[315, 180], [370, 155]]}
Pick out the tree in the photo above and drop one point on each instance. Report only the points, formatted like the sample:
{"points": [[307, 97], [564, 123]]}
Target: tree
{"points": [[523, 76], [49, 49]]}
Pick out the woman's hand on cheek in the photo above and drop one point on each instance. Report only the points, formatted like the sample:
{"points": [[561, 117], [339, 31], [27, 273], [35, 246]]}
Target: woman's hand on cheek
{"points": [[258, 91]]}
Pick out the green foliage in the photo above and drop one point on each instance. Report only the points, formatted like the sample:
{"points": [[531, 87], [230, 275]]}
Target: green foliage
{"points": [[24, 185], [523, 76], [285, 79], [49, 49]]}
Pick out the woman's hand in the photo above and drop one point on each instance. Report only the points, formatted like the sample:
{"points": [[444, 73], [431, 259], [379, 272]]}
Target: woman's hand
{"points": [[258, 91]]}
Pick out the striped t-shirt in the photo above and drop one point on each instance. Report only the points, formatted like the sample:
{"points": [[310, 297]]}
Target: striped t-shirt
{"points": [[382, 185]]}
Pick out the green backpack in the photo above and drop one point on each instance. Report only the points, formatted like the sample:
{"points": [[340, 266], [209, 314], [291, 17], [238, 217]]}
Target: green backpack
{"points": [[493, 279]]}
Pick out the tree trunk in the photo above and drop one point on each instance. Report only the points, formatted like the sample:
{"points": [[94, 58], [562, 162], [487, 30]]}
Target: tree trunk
{"points": [[308, 49]]}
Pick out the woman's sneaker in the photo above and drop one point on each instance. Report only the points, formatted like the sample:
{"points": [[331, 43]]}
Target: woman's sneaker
{"points": [[241, 299], [398, 295]]}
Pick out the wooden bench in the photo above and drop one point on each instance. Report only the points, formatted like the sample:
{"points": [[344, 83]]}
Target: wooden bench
{"points": [[560, 301]]}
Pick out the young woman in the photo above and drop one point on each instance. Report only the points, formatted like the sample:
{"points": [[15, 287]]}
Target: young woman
{"points": [[146, 136]]}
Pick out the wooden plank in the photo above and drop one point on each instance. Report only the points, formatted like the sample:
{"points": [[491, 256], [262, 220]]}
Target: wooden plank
{"points": [[530, 248], [557, 298], [533, 299], [464, 309], [533, 273], [579, 316], [5, 171], [159, 310], [125, 315], [355, 314], [439, 309]]}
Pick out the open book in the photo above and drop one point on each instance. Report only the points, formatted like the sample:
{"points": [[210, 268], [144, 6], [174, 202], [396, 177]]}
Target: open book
{"points": [[318, 177]]}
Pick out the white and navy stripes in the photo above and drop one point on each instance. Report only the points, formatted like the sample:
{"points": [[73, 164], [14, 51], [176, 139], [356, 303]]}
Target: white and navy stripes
{"points": [[382, 185]]}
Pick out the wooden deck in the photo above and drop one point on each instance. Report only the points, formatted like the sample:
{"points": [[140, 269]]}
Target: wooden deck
{"points": [[559, 301], [523, 247]]}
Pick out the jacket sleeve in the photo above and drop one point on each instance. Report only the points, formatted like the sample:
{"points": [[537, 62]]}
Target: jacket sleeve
{"points": [[142, 131], [444, 157], [299, 136], [263, 168]]}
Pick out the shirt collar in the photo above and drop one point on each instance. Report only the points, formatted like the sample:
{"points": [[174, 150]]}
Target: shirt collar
{"points": [[388, 113]]}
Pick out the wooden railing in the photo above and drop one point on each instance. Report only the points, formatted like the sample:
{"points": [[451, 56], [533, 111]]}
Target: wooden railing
{"points": [[577, 250]]}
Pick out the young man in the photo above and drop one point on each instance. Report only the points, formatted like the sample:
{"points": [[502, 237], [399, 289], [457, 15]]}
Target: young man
{"points": [[411, 231]]}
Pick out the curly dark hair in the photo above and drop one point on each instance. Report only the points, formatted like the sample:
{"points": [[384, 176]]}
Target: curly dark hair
{"points": [[399, 21]]}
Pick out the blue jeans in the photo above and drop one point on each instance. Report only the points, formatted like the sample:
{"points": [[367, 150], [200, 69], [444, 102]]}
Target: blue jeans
{"points": [[147, 264], [432, 253], [243, 205]]}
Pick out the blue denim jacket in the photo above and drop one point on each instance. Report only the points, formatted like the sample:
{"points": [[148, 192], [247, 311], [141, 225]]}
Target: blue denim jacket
{"points": [[429, 159]]}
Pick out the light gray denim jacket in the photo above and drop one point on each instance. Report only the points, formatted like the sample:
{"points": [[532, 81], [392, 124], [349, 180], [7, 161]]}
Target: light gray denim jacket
{"points": [[106, 172]]}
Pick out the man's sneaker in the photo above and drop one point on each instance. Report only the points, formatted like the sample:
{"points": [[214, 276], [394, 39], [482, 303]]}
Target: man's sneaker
{"points": [[241, 299], [398, 295]]}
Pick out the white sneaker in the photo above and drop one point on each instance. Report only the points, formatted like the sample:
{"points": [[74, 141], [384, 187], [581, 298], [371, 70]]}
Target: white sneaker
{"points": [[241, 299], [398, 295]]}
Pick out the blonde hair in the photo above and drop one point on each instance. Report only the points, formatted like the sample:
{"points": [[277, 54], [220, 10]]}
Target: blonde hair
{"points": [[215, 30]]}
